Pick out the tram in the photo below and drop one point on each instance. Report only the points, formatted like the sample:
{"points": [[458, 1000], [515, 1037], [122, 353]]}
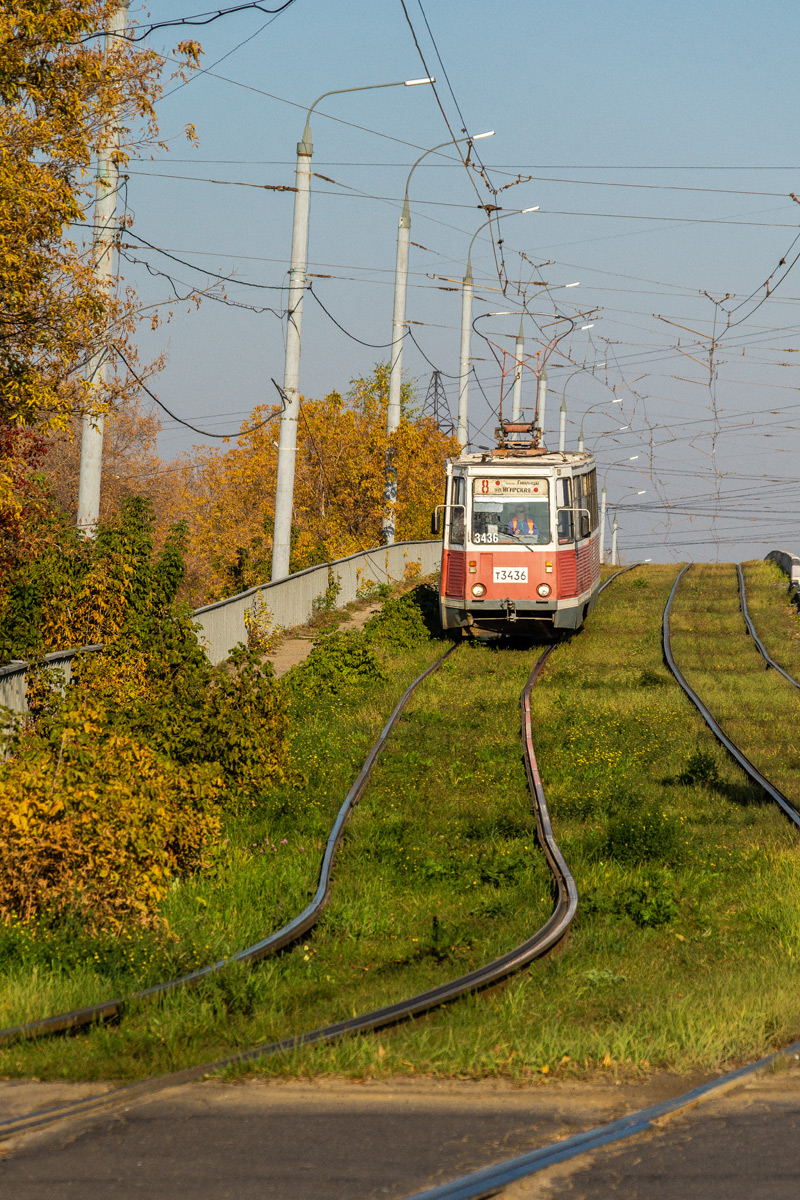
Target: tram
{"points": [[520, 538]]}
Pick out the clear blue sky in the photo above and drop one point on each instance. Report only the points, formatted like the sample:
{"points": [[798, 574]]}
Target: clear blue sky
{"points": [[661, 142]]}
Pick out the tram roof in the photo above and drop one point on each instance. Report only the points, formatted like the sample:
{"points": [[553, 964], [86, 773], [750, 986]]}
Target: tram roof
{"points": [[526, 462]]}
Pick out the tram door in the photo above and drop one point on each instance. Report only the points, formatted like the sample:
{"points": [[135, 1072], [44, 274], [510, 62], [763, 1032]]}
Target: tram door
{"points": [[455, 550]]}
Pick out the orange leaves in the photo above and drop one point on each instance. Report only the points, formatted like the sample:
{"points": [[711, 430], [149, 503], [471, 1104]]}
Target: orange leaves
{"points": [[228, 496]]}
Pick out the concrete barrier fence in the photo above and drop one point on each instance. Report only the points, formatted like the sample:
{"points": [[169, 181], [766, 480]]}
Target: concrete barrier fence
{"points": [[789, 564], [290, 602]]}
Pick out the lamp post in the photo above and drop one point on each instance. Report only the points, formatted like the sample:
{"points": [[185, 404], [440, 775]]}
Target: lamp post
{"points": [[640, 492], [467, 288], [398, 333], [287, 440], [591, 408], [562, 428], [621, 462]]}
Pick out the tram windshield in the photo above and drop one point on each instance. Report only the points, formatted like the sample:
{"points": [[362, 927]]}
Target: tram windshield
{"points": [[511, 511]]}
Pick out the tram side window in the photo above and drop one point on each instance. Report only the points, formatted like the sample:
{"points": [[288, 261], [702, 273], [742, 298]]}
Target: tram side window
{"points": [[582, 505], [591, 482], [458, 496], [566, 530]]}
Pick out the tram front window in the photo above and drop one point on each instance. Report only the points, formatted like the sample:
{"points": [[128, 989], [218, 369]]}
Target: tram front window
{"points": [[511, 522]]}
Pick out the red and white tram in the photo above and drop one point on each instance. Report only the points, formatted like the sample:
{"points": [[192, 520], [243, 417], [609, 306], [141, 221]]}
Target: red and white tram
{"points": [[520, 550]]}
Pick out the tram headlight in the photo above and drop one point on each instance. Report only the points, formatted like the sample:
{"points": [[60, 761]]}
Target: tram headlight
{"points": [[543, 589], [479, 589]]}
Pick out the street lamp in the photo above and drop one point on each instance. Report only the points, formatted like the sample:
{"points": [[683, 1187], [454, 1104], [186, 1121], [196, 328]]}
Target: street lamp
{"points": [[287, 441], [591, 408], [619, 463], [642, 492], [398, 333], [466, 325], [562, 429]]}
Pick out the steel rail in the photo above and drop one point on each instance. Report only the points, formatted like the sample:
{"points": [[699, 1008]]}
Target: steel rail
{"points": [[751, 630], [611, 578], [741, 758], [271, 944], [544, 940]]}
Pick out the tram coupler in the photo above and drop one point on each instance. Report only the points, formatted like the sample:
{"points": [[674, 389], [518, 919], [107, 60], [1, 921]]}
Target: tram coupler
{"points": [[511, 610]]}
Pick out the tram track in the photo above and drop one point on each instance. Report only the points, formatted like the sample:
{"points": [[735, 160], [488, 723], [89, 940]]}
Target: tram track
{"points": [[750, 769], [751, 630], [272, 943], [540, 943], [544, 940]]}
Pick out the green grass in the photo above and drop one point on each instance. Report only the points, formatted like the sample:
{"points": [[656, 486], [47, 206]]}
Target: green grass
{"points": [[684, 954]]}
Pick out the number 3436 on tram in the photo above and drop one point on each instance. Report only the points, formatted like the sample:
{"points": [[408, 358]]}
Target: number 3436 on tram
{"points": [[520, 542]]}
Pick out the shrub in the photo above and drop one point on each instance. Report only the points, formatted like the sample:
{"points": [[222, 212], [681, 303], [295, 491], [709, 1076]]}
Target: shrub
{"points": [[231, 716], [338, 661], [651, 902], [406, 620], [262, 636], [701, 767], [633, 837], [95, 827]]}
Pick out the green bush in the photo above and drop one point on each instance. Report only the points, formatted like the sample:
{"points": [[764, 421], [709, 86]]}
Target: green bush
{"points": [[338, 661], [651, 902], [406, 620], [701, 767]]}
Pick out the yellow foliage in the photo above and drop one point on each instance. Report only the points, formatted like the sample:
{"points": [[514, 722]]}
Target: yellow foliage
{"points": [[95, 830], [228, 495], [261, 636], [58, 88]]}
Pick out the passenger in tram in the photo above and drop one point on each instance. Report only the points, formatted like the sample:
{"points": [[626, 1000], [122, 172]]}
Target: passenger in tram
{"points": [[522, 525]]}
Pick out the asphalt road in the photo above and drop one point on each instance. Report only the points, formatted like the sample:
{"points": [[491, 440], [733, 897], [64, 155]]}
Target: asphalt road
{"points": [[334, 1140], [316, 1140], [743, 1146]]}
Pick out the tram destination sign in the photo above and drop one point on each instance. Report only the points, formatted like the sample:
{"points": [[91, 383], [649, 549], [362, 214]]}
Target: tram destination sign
{"points": [[488, 485]]}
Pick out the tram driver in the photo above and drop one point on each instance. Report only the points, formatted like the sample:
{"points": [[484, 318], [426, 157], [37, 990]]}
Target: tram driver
{"points": [[522, 525]]}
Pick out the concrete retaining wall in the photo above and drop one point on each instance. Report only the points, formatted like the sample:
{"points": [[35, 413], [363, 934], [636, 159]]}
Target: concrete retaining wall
{"points": [[290, 602], [789, 564], [14, 684]]}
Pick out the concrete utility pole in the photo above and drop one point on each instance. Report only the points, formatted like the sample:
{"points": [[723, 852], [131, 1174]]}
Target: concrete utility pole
{"points": [[467, 290], [287, 440], [463, 365], [105, 227], [602, 520], [541, 399], [562, 424], [398, 333], [516, 396], [614, 541]]}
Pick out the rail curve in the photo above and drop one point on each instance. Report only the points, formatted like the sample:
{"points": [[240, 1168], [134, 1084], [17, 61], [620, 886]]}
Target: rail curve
{"points": [[741, 758], [268, 945], [751, 630], [542, 941], [539, 944]]}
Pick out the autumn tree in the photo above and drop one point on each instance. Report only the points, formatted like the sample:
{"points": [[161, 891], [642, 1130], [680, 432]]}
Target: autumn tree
{"points": [[131, 464], [59, 88], [228, 495]]}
